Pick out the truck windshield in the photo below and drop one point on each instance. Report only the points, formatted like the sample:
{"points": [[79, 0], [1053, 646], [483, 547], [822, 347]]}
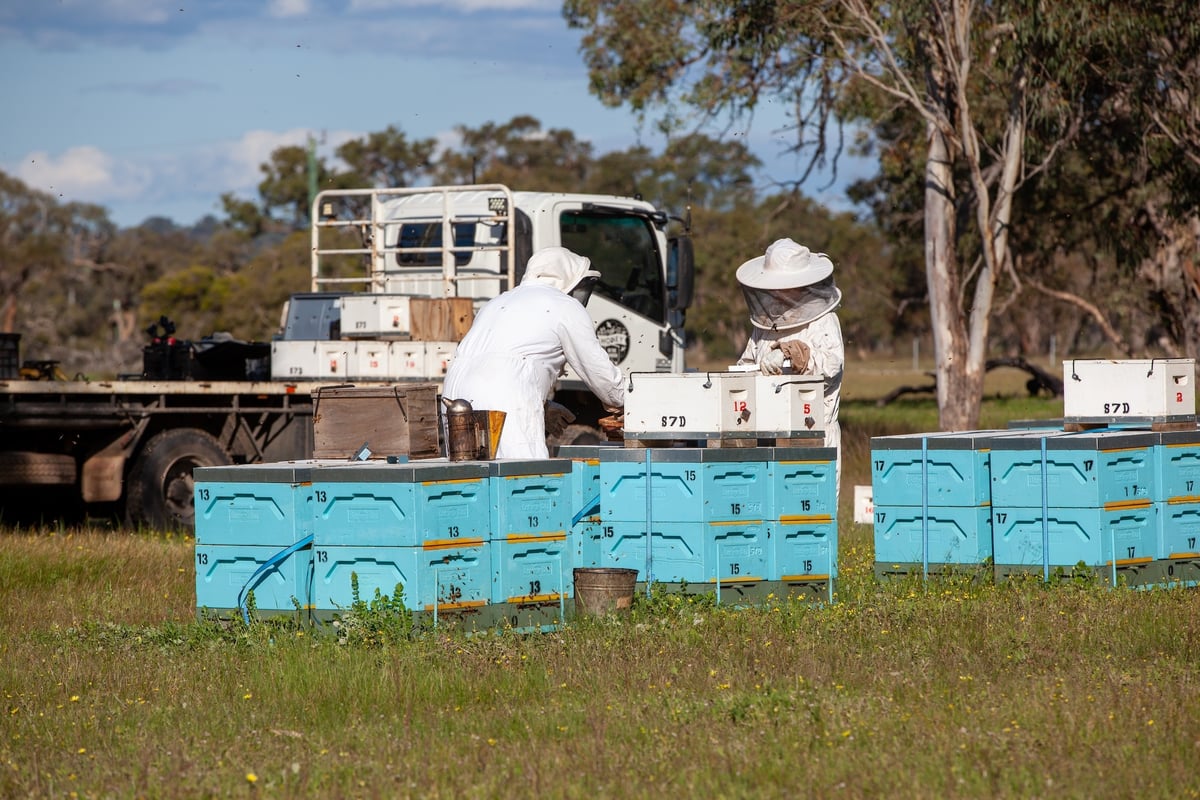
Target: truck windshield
{"points": [[623, 249]]}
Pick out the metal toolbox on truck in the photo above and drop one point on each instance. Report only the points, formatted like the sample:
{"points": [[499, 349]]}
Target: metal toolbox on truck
{"points": [[1134, 391]]}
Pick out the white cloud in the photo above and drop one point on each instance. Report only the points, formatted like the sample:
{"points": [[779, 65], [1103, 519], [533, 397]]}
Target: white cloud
{"points": [[83, 174], [282, 9], [457, 5]]}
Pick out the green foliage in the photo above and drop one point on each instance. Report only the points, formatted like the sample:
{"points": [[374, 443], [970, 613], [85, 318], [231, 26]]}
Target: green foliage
{"points": [[197, 298], [387, 159], [518, 153], [379, 621], [666, 605]]}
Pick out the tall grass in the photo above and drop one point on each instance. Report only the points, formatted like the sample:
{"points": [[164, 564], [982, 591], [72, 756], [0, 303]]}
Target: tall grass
{"points": [[955, 687]]}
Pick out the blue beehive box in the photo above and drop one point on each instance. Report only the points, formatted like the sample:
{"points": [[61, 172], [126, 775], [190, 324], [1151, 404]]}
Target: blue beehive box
{"points": [[803, 483], [254, 504], [531, 568], [530, 496], [401, 505], [1177, 458], [677, 555], [686, 484], [936, 535], [1080, 470], [223, 574], [1179, 531], [698, 553], [737, 551], [585, 475], [434, 577], [804, 551], [1087, 535], [935, 469], [584, 537]]}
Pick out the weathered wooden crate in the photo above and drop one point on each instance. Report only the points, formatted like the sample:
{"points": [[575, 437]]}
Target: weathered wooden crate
{"points": [[401, 419], [441, 319]]}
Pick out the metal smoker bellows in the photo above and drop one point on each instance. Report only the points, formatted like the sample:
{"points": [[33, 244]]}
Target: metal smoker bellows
{"points": [[471, 435], [462, 441]]}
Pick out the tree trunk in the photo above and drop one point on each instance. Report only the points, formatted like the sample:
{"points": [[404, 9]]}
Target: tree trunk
{"points": [[956, 408]]}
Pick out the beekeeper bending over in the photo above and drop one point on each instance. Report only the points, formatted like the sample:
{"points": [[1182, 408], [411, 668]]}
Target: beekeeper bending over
{"points": [[791, 297], [513, 354]]}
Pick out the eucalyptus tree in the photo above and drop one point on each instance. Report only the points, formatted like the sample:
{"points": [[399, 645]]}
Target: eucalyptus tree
{"points": [[388, 159], [518, 153], [984, 80]]}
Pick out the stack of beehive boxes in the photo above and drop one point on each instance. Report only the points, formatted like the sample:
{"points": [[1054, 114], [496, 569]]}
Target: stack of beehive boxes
{"points": [[1177, 456], [497, 541], [482, 541], [747, 521], [1060, 499], [1122, 503], [245, 517], [421, 526], [1111, 487], [932, 501]]}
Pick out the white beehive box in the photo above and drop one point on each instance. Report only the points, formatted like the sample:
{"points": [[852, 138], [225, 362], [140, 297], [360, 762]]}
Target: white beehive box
{"points": [[694, 405], [1137, 390], [437, 357], [372, 361], [789, 405], [334, 358], [293, 361], [407, 359], [372, 316]]}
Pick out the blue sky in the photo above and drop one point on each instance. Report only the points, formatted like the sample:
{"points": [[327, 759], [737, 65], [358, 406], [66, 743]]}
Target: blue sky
{"points": [[153, 108]]}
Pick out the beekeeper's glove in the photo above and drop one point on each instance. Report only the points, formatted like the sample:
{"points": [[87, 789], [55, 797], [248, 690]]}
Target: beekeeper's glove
{"points": [[558, 417], [771, 362], [798, 353]]}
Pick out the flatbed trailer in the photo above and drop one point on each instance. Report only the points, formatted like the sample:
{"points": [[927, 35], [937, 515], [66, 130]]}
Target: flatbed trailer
{"points": [[132, 444]]}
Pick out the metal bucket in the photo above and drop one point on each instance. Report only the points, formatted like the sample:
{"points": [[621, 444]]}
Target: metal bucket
{"points": [[604, 590]]}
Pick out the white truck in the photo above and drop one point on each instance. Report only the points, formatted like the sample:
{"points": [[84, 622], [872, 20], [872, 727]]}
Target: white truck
{"points": [[396, 276], [396, 249]]}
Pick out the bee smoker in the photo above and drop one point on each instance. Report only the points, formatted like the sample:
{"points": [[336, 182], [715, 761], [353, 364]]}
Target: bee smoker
{"points": [[462, 433]]}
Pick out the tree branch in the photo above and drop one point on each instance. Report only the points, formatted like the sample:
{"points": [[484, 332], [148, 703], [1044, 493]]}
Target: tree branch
{"points": [[1092, 310]]}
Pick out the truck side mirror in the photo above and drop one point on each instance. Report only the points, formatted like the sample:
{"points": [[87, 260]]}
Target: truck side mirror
{"points": [[681, 272]]}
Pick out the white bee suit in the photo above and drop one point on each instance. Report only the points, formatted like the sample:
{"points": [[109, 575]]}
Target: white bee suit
{"points": [[515, 351], [826, 358], [792, 298]]}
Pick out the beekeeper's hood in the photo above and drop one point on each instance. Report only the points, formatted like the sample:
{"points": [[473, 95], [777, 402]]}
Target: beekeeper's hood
{"points": [[562, 269], [788, 286]]}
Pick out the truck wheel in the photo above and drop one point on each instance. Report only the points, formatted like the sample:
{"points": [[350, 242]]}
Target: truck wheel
{"points": [[159, 488], [36, 469]]}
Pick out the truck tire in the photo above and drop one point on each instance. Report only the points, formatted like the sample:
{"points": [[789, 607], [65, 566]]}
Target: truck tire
{"points": [[36, 469], [159, 486]]}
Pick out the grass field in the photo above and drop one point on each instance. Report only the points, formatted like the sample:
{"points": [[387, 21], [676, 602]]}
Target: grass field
{"points": [[951, 688]]}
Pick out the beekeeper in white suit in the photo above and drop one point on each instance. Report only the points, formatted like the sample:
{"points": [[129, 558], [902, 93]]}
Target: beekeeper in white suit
{"points": [[792, 299], [514, 352]]}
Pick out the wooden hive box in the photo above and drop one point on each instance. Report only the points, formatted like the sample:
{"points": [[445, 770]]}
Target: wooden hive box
{"points": [[401, 419], [441, 319]]}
